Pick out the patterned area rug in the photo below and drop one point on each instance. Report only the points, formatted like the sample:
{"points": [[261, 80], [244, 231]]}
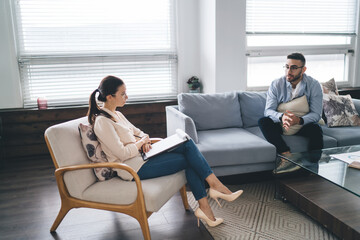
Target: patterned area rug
{"points": [[255, 215]]}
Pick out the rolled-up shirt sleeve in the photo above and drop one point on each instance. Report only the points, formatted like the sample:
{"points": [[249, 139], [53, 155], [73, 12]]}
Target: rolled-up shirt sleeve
{"points": [[110, 141], [272, 104], [315, 103]]}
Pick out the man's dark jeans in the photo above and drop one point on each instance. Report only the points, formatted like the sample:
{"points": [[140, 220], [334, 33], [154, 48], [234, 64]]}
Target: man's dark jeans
{"points": [[272, 132]]}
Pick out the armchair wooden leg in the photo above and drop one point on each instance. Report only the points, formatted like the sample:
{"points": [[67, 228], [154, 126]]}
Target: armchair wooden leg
{"points": [[144, 224], [63, 211], [184, 198]]}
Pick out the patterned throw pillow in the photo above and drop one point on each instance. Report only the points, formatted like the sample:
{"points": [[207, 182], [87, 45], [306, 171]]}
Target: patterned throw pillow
{"points": [[340, 111], [330, 87], [94, 152]]}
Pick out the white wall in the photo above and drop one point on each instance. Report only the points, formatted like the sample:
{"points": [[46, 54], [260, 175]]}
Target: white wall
{"points": [[222, 45], [10, 91], [230, 45], [207, 42], [188, 42]]}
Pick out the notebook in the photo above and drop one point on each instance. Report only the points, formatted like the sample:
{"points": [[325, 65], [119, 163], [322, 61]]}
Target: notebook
{"points": [[167, 144]]}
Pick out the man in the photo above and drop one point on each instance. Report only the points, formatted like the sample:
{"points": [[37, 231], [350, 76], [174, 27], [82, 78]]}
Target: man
{"points": [[293, 85]]}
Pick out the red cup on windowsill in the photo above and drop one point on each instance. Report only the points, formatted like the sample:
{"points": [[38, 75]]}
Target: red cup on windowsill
{"points": [[42, 103]]}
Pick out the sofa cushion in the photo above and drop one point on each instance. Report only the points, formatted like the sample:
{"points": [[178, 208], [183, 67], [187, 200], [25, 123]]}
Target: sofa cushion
{"points": [[211, 111], [344, 135], [252, 106], [297, 143], [234, 146]]}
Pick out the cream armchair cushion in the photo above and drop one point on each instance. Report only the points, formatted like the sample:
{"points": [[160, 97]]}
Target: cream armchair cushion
{"points": [[157, 191]]}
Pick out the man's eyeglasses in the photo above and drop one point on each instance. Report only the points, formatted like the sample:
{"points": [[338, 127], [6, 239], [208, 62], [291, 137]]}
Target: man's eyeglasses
{"points": [[292, 67]]}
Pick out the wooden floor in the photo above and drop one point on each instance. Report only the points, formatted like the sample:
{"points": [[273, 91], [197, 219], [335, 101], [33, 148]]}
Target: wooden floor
{"points": [[29, 203]]}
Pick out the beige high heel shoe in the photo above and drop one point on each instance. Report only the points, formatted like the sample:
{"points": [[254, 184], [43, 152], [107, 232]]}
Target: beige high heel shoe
{"points": [[227, 197], [200, 214]]}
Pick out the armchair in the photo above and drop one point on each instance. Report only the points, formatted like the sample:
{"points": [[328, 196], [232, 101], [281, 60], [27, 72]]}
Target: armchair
{"points": [[78, 186]]}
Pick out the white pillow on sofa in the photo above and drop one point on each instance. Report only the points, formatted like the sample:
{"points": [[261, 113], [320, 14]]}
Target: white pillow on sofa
{"points": [[298, 106]]}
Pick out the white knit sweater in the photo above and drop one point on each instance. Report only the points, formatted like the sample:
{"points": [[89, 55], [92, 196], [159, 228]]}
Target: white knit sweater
{"points": [[118, 141]]}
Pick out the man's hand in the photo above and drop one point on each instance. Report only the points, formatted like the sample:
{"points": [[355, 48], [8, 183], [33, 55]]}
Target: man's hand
{"points": [[289, 119]]}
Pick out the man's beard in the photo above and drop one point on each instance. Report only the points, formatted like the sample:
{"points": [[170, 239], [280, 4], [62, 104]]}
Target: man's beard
{"points": [[297, 77]]}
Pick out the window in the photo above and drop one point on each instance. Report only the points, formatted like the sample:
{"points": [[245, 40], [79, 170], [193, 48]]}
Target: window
{"points": [[324, 31], [66, 47]]}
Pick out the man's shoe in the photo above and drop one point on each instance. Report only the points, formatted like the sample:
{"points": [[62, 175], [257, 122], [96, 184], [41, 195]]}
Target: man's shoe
{"points": [[285, 167]]}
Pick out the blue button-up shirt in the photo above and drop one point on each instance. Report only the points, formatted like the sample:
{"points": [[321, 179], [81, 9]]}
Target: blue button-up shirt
{"points": [[280, 92]]}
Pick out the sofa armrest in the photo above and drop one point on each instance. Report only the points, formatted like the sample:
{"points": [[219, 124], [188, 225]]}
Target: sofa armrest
{"points": [[176, 119], [357, 104]]}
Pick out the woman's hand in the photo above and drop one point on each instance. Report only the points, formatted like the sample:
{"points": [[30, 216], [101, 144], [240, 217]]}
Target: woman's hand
{"points": [[144, 140], [146, 147]]}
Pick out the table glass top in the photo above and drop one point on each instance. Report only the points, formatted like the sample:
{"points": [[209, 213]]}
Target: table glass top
{"points": [[334, 170]]}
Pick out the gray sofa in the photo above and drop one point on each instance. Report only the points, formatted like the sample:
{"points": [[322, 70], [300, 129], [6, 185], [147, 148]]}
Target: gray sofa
{"points": [[225, 128]]}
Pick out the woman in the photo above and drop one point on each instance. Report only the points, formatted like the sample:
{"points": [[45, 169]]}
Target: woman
{"points": [[121, 141]]}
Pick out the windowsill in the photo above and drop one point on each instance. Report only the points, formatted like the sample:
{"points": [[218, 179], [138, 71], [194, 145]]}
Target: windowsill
{"points": [[342, 86], [82, 106], [349, 88]]}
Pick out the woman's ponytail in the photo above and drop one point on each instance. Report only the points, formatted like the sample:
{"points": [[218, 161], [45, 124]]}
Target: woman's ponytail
{"points": [[93, 107]]}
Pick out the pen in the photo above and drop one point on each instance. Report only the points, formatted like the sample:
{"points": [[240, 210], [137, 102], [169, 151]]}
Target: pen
{"points": [[140, 138]]}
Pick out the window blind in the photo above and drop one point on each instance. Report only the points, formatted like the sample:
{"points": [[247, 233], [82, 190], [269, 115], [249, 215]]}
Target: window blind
{"points": [[66, 47], [301, 17]]}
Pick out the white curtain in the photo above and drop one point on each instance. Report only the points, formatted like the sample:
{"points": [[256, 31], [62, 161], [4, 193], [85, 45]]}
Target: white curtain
{"points": [[66, 47], [301, 17]]}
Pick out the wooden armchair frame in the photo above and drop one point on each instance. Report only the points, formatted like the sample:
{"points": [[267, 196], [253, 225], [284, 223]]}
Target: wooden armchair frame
{"points": [[137, 209]]}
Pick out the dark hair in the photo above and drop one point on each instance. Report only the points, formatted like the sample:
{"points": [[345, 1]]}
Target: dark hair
{"points": [[297, 56], [108, 86]]}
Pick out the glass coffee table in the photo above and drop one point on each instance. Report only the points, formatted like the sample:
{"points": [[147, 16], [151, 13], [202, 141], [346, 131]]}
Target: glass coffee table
{"points": [[319, 162], [325, 188]]}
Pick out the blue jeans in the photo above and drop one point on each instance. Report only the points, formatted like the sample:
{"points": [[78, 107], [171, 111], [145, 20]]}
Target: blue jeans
{"points": [[187, 156]]}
